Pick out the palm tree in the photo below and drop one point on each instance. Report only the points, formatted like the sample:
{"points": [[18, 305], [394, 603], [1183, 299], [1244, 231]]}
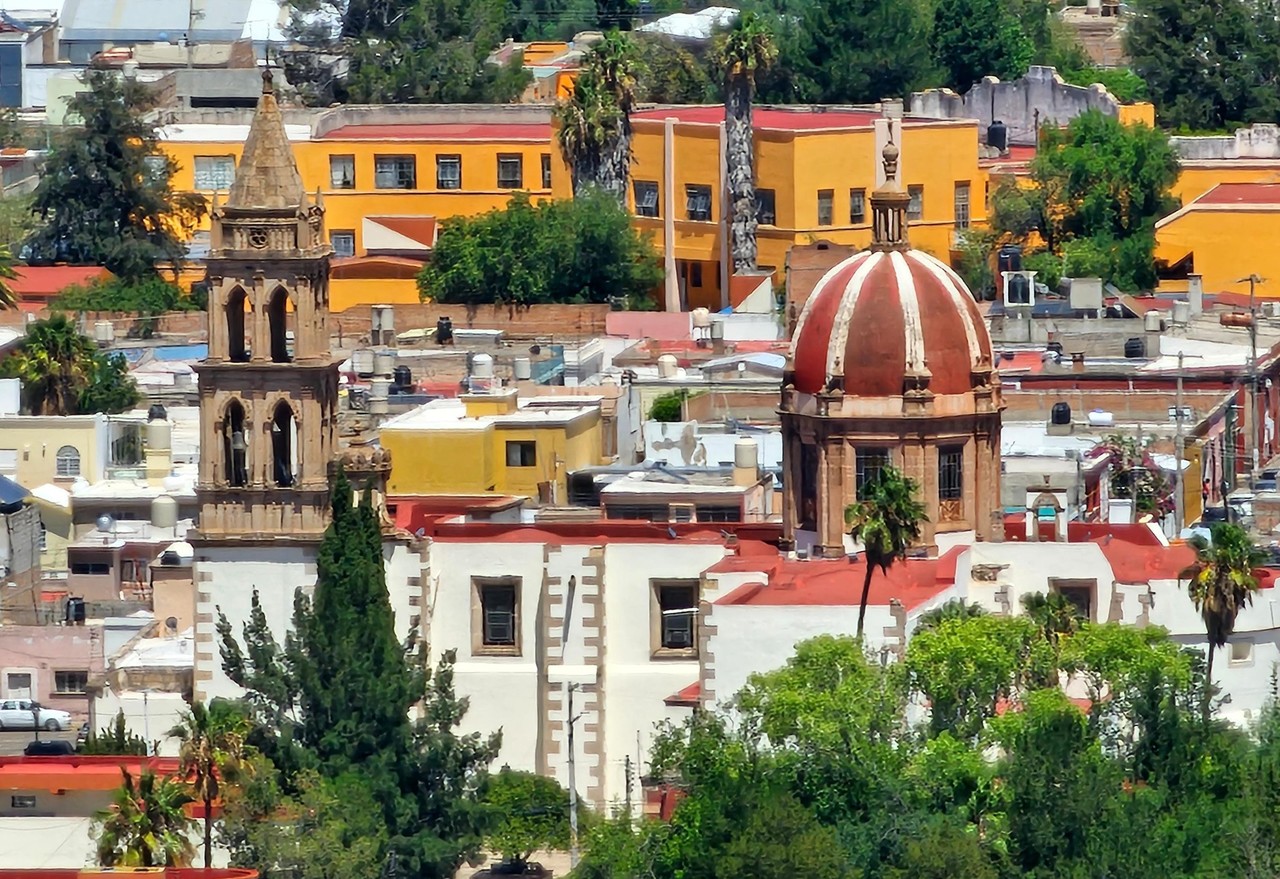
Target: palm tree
{"points": [[1221, 584], [8, 299], [886, 521], [145, 825], [595, 122], [1053, 614], [55, 363], [955, 609], [213, 750], [741, 53]]}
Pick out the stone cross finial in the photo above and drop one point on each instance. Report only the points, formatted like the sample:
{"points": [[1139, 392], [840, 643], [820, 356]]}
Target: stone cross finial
{"points": [[268, 78]]}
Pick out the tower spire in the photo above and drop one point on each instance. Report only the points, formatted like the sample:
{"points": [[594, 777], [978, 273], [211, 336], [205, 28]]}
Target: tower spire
{"points": [[889, 205], [268, 176]]}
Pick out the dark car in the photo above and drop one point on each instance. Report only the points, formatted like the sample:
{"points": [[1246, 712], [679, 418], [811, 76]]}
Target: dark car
{"points": [[49, 748], [83, 735]]}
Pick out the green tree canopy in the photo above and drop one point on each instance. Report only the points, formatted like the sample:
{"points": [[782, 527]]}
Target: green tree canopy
{"points": [[105, 196], [530, 813], [976, 38], [64, 373], [579, 250], [145, 825]]}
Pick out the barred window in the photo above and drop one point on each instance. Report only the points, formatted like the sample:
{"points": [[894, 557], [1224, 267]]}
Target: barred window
{"points": [[868, 463], [950, 473], [215, 172]]}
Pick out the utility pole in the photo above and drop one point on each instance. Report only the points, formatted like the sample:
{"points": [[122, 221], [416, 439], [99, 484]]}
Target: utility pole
{"points": [[573, 787], [1251, 424], [627, 768], [1179, 513]]}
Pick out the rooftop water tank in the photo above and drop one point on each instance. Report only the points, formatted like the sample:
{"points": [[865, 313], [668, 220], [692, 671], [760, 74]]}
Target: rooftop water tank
{"points": [[384, 362], [362, 361], [1135, 347], [746, 454], [1061, 413], [523, 369], [1181, 312], [158, 435], [164, 512], [482, 366], [1101, 418], [104, 332], [402, 378], [1151, 321], [667, 366], [997, 136]]}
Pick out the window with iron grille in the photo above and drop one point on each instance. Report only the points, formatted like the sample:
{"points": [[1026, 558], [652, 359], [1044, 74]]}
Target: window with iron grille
{"points": [[698, 202], [342, 172], [766, 207], [546, 170], [70, 681], [448, 172], [868, 463], [857, 207], [826, 199], [215, 172], [915, 207], [395, 172], [962, 205], [498, 607], [678, 605], [510, 171], [950, 473], [343, 242], [646, 193], [67, 462]]}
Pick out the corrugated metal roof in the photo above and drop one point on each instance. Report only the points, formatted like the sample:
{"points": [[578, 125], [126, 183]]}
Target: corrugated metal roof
{"points": [[220, 21]]}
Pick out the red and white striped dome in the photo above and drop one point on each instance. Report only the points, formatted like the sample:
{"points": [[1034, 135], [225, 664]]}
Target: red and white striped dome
{"points": [[884, 315]]}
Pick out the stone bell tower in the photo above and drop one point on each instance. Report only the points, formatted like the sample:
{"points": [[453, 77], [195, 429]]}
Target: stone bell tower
{"points": [[269, 387]]}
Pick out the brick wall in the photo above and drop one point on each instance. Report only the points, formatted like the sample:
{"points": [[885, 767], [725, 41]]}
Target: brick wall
{"points": [[1127, 406]]}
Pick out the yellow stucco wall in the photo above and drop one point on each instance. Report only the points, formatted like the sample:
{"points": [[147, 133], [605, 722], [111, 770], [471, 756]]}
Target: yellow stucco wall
{"points": [[1227, 245], [36, 442]]}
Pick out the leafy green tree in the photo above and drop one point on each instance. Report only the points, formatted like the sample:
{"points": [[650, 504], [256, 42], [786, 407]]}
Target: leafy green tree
{"points": [[211, 755], [148, 296], [886, 520], [668, 407], [145, 825], [945, 850], [17, 222], [1123, 83], [742, 52], [105, 196], [594, 123], [954, 609], [531, 814], [1221, 584], [579, 250], [337, 697], [115, 740], [976, 38], [668, 73], [63, 372], [780, 840]]}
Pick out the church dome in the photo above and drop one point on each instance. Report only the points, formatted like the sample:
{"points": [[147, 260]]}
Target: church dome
{"points": [[885, 315]]}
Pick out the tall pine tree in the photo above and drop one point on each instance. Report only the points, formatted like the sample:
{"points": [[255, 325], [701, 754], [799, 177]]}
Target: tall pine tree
{"points": [[337, 696]]}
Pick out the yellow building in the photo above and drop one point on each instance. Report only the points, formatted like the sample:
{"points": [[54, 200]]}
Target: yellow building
{"points": [[815, 169], [388, 176], [493, 442], [1225, 234]]}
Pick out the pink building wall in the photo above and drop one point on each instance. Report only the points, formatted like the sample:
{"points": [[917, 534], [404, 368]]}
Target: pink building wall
{"points": [[38, 653]]}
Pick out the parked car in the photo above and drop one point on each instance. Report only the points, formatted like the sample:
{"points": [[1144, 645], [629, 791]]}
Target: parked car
{"points": [[83, 735], [1266, 480], [49, 748], [26, 714]]}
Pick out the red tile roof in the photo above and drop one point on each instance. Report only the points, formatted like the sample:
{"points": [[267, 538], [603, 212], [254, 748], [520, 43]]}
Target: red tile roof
{"points": [[742, 286], [687, 697], [837, 583], [45, 282], [766, 118], [488, 131], [1259, 194]]}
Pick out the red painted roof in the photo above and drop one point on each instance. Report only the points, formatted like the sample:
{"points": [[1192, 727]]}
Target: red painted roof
{"points": [[148, 873], [1022, 361], [686, 697], [1131, 563], [837, 583], [1263, 194], [767, 118], [500, 131], [879, 315], [48, 281], [76, 773]]}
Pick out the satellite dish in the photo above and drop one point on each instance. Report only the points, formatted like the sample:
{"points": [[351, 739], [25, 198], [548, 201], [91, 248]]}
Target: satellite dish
{"points": [[171, 624], [105, 522]]}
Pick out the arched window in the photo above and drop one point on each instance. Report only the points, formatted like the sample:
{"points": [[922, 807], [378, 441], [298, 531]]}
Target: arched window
{"points": [[237, 346], [235, 446], [284, 445], [277, 311], [68, 462]]}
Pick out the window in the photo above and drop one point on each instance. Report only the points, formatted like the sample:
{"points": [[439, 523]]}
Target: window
{"points": [[857, 207], [342, 172], [546, 170], [1241, 652], [93, 569], [395, 172], [869, 462], [522, 453], [495, 616], [962, 205], [915, 207], [67, 463], [215, 172], [18, 685], [695, 274], [71, 682], [675, 628], [44, 538], [825, 197], [951, 483], [22, 801], [646, 192], [766, 207], [157, 168], [9, 461], [697, 202], [1079, 592], [448, 172], [343, 242], [510, 171]]}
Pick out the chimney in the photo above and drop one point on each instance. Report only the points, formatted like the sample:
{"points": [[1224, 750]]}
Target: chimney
{"points": [[746, 463], [1195, 293]]}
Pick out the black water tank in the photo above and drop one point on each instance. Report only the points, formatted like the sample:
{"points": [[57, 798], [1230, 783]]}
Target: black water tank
{"points": [[1135, 347], [1019, 292], [157, 413], [444, 330], [1009, 259], [1061, 413], [1055, 347], [402, 378], [75, 611], [997, 136]]}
